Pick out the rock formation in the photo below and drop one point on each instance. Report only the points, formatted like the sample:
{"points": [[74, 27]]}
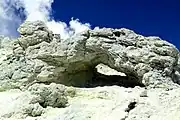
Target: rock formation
{"points": [[38, 62]]}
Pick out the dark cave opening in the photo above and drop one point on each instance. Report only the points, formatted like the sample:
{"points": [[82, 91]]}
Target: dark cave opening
{"points": [[98, 76], [100, 79]]}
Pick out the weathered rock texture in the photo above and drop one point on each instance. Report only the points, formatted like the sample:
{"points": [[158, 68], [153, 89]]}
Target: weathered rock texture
{"points": [[33, 101], [40, 56], [39, 62], [101, 103]]}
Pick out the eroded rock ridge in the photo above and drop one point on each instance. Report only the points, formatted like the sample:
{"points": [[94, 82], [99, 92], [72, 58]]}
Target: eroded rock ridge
{"points": [[40, 56]]}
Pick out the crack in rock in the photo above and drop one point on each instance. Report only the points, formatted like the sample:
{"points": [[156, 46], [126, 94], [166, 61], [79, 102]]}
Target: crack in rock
{"points": [[131, 106]]}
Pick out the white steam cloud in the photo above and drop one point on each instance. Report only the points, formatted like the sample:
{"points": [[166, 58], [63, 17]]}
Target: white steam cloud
{"points": [[12, 11], [9, 21]]}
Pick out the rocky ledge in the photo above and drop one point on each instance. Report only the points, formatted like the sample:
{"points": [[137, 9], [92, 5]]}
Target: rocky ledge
{"points": [[68, 79]]}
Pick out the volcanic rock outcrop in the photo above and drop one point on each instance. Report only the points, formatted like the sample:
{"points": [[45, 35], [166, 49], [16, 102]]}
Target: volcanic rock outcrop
{"points": [[41, 56], [100, 74]]}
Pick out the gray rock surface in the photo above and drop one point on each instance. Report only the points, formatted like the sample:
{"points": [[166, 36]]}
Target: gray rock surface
{"points": [[32, 102], [108, 74], [37, 56], [53, 95]]}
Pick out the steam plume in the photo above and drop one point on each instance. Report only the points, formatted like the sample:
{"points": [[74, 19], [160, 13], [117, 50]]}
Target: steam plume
{"points": [[15, 12]]}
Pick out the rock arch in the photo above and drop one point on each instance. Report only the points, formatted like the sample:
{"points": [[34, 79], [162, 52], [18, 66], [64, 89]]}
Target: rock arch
{"points": [[72, 61]]}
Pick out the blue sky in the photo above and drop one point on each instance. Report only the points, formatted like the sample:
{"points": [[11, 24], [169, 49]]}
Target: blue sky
{"points": [[147, 17]]}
